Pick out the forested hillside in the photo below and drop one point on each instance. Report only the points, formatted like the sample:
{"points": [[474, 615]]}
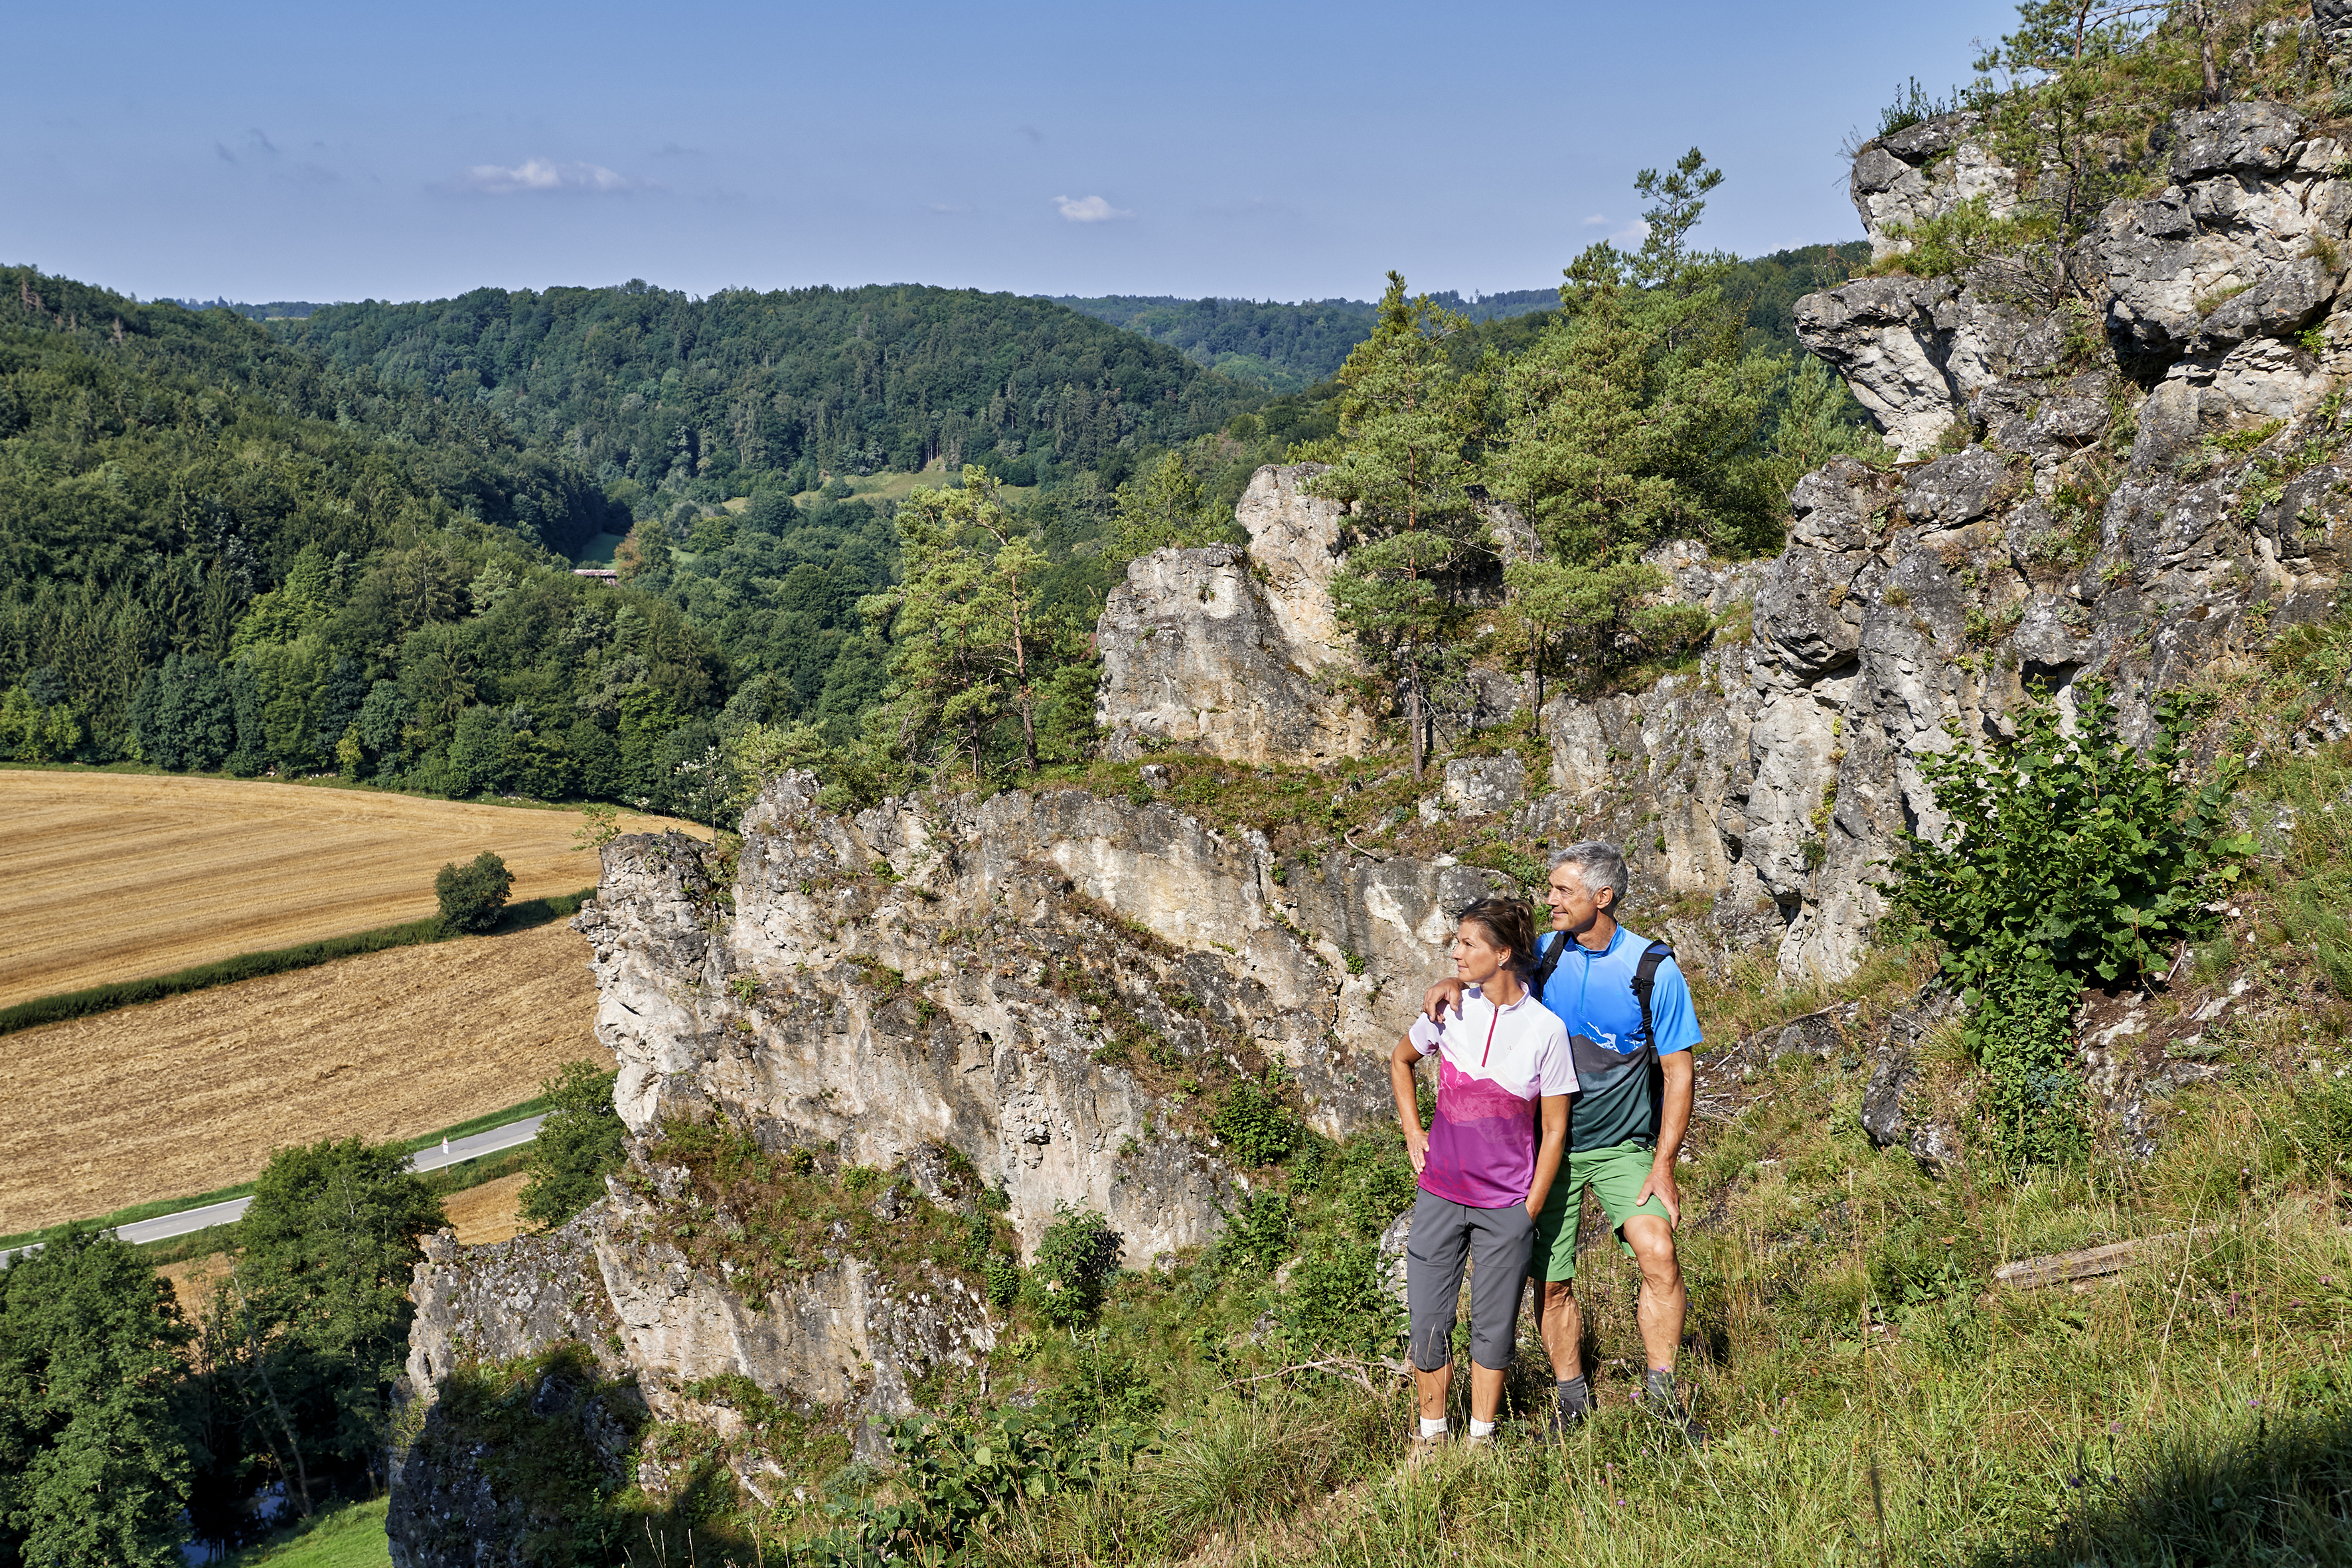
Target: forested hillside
{"points": [[216, 552], [1288, 348], [660, 394]]}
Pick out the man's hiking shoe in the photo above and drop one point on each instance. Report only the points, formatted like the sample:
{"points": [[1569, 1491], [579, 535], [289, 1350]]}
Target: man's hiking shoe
{"points": [[1661, 1400], [1574, 1402], [1418, 1450]]}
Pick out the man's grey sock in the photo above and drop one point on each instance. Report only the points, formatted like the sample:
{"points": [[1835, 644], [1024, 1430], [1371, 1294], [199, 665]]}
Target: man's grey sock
{"points": [[1575, 1397], [1661, 1388]]}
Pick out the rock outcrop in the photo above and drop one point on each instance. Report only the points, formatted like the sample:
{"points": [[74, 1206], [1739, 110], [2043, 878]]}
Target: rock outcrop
{"points": [[1235, 651], [2218, 292]]}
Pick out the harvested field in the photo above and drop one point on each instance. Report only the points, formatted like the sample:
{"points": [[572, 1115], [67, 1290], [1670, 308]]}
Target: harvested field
{"points": [[190, 1094], [119, 876], [486, 1213]]}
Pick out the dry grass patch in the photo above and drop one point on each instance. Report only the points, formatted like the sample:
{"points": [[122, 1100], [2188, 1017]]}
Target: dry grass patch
{"points": [[119, 876], [190, 1094]]}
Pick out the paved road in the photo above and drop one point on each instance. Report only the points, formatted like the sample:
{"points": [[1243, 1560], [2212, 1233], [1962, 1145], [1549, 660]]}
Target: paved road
{"points": [[165, 1226]]}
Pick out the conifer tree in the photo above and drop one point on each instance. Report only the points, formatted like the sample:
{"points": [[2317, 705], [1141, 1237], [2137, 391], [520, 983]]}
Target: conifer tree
{"points": [[1632, 418], [1165, 508], [1406, 420], [968, 635]]}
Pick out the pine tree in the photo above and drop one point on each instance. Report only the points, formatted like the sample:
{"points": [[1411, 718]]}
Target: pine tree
{"points": [[1406, 420], [1632, 418], [968, 637], [1166, 509]]}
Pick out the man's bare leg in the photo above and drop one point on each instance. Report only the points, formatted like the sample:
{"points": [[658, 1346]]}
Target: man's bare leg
{"points": [[1663, 1301], [1562, 1326], [1663, 1304], [1563, 1329]]}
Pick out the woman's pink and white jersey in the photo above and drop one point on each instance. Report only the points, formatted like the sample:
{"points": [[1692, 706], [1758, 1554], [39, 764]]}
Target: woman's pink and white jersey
{"points": [[1494, 1066]]}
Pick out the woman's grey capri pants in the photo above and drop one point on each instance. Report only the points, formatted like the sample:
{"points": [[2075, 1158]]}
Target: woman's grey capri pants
{"points": [[1444, 1234]]}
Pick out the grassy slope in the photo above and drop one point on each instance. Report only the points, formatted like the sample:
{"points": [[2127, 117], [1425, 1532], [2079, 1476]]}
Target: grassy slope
{"points": [[347, 1537]]}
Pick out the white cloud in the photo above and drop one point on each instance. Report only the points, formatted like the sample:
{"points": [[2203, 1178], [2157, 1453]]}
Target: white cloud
{"points": [[1596, 220], [535, 174], [1088, 209]]}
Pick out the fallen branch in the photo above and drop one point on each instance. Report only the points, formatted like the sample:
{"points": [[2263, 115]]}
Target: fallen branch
{"points": [[2092, 1263], [1350, 835]]}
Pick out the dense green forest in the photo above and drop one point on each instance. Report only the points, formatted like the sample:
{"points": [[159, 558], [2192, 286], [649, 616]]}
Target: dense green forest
{"points": [[220, 553], [667, 399], [1288, 348], [220, 548]]}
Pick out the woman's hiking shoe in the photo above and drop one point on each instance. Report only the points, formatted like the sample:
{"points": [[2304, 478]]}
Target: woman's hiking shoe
{"points": [[1418, 1450]]}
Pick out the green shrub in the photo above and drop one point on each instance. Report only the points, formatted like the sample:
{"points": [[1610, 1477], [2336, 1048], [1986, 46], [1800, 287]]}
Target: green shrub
{"points": [[1076, 1259], [1257, 1233], [1375, 1180], [473, 894], [1255, 1124], [954, 1482], [2068, 859], [1001, 1273], [578, 1146], [1336, 1303]]}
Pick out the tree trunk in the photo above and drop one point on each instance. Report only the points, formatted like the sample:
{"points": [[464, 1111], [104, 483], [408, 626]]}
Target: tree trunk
{"points": [[293, 1443], [1021, 675], [2205, 55], [1535, 668], [1413, 708]]}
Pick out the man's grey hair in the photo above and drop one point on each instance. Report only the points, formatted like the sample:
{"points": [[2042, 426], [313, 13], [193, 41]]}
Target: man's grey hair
{"points": [[1598, 866]]}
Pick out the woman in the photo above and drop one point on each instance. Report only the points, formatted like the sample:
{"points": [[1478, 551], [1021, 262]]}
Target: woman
{"points": [[1484, 1172]]}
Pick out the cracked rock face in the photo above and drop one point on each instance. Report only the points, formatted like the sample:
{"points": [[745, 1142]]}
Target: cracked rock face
{"points": [[1237, 651], [968, 910], [1922, 172], [2218, 293]]}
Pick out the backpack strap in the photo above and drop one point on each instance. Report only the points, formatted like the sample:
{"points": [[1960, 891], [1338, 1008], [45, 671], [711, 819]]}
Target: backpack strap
{"points": [[1645, 981], [1547, 963]]}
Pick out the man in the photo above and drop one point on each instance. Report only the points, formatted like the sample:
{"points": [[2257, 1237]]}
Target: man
{"points": [[1625, 1126]]}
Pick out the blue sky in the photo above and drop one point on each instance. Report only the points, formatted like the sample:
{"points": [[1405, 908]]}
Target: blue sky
{"points": [[1265, 150]]}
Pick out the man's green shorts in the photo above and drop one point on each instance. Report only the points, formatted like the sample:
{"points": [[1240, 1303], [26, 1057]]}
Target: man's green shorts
{"points": [[1615, 1176]]}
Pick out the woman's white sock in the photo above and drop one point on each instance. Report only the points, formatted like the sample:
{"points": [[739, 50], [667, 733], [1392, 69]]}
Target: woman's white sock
{"points": [[1481, 1428], [1435, 1428]]}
